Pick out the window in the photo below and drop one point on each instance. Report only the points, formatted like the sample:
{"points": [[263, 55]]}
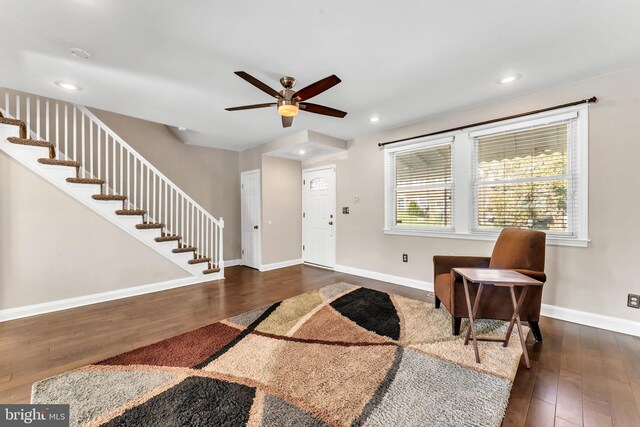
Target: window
{"points": [[318, 184], [529, 172], [523, 178], [421, 183]]}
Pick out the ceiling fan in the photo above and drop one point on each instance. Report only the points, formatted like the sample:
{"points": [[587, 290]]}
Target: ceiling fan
{"points": [[290, 102]]}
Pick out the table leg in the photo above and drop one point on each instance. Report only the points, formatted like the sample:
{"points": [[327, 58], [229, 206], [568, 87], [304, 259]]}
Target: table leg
{"points": [[516, 306], [471, 325], [516, 313], [475, 310]]}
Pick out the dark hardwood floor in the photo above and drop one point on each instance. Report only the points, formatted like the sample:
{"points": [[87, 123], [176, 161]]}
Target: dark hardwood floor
{"points": [[579, 376]]}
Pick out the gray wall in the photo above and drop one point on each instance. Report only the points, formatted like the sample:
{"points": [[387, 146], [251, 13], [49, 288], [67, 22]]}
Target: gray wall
{"points": [[281, 210], [208, 175], [281, 200], [595, 279], [52, 247]]}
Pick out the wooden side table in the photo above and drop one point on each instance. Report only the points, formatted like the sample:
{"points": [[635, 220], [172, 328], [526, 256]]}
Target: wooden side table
{"points": [[501, 278]]}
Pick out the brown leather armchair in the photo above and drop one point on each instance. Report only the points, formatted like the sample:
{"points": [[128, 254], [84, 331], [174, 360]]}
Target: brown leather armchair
{"points": [[515, 249]]}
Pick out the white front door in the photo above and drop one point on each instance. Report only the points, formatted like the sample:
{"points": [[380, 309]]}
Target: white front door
{"points": [[319, 216], [250, 217]]}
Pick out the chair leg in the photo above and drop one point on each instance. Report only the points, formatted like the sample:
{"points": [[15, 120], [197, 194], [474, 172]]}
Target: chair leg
{"points": [[437, 302], [455, 325], [535, 330]]}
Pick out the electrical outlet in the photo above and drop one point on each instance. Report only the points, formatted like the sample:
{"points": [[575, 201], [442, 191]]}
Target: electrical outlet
{"points": [[633, 301], [405, 258], [345, 210]]}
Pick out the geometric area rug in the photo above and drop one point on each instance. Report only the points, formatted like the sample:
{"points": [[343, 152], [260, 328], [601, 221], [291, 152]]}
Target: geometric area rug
{"points": [[341, 355]]}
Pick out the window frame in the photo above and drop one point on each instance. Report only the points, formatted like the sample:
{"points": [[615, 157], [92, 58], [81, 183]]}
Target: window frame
{"points": [[391, 187], [462, 155]]}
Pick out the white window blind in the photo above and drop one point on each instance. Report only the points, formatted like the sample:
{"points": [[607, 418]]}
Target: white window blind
{"points": [[527, 178], [420, 186]]}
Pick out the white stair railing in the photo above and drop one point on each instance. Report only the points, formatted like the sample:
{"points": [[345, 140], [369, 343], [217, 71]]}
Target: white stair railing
{"points": [[78, 134]]}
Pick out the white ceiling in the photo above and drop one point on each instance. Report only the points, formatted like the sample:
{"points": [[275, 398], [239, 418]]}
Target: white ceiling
{"points": [[173, 61]]}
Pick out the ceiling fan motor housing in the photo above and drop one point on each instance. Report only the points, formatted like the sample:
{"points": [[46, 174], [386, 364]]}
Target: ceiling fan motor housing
{"points": [[287, 82]]}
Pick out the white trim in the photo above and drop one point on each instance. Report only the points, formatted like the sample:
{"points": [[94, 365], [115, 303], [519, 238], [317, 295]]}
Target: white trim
{"points": [[403, 281], [281, 264], [463, 215], [390, 186], [490, 237], [320, 168], [67, 303], [609, 323], [583, 169], [232, 262]]}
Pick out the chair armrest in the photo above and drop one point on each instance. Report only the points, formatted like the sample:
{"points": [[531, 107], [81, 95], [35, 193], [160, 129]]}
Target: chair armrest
{"points": [[538, 275], [444, 264]]}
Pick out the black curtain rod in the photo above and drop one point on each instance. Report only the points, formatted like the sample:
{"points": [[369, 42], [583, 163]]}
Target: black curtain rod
{"points": [[593, 99]]}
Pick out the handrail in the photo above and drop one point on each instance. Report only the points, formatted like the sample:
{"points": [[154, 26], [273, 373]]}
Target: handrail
{"points": [[129, 148], [78, 134]]}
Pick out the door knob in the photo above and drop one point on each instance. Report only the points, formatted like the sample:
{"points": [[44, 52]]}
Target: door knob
{"points": [[255, 226], [330, 222]]}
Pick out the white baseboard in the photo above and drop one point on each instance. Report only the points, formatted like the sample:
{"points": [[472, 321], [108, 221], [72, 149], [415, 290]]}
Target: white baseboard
{"points": [[412, 283], [281, 264], [64, 304], [570, 315], [592, 319], [232, 262]]}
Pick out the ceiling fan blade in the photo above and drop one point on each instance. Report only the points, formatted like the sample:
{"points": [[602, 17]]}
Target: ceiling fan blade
{"points": [[250, 107], [316, 88], [321, 109], [257, 83], [287, 121]]}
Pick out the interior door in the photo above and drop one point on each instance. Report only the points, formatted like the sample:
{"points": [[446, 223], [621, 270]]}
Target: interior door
{"points": [[319, 216], [250, 218]]}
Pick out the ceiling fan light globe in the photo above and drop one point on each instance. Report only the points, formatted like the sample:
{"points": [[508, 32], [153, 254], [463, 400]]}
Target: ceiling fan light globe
{"points": [[288, 110]]}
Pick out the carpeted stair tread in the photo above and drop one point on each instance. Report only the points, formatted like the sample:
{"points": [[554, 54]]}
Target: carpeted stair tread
{"points": [[183, 249], [34, 143], [116, 197], [211, 270], [167, 238], [131, 212], [199, 260], [86, 181], [57, 162], [15, 122], [149, 225]]}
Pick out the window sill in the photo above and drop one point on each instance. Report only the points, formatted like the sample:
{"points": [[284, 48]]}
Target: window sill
{"points": [[553, 241]]}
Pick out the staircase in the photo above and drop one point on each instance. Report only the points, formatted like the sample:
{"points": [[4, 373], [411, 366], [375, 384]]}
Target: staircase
{"points": [[71, 148]]}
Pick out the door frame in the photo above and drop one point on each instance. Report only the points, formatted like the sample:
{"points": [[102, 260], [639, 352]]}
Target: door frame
{"points": [[258, 172], [335, 215]]}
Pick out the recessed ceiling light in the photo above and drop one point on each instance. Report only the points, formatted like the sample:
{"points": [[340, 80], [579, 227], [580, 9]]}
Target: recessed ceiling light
{"points": [[374, 119], [80, 52], [509, 78], [182, 128], [302, 152], [67, 85]]}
